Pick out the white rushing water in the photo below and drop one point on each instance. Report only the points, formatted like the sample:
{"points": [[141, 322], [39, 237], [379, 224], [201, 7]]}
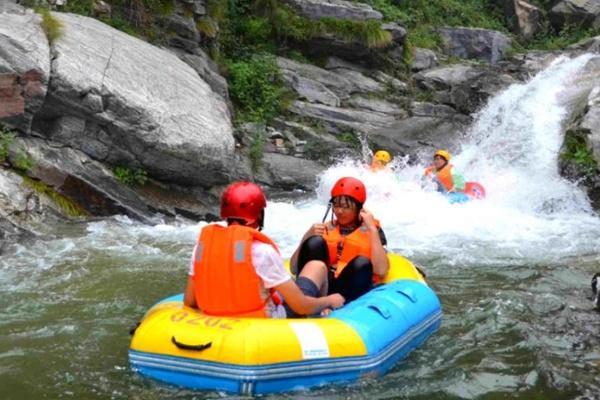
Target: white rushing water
{"points": [[530, 215]]}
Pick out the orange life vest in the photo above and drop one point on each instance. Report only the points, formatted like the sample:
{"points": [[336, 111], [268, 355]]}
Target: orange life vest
{"points": [[225, 280], [357, 243], [443, 176], [377, 166]]}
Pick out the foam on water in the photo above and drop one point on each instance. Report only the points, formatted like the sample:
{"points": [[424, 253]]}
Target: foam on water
{"points": [[531, 214]]}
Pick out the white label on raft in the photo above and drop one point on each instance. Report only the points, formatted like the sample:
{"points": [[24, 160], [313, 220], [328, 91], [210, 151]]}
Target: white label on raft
{"points": [[312, 340]]}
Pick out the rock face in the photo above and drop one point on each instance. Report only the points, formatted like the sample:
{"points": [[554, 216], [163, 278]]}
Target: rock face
{"points": [[584, 13], [123, 101], [423, 59], [23, 211], [289, 172], [24, 66], [591, 122], [341, 9], [528, 19], [464, 87], [475, 43], [87, 182], [421, 134]]}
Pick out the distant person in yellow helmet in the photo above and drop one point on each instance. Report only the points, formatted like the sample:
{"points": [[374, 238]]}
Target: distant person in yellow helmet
{"points": [[444, 174], [381, 159]]}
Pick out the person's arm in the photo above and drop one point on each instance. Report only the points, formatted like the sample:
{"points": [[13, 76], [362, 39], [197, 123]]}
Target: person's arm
{"points": [[379, 258], [315, 229], [458, 181], [307, 305], [189, 297]]}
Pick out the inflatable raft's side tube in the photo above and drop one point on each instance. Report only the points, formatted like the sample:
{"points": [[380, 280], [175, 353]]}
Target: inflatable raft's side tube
{"points": [[364, 338]]}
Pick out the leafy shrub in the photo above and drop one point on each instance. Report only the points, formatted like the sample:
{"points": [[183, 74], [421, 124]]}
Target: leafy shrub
{"points": [[576, 151], [6, 138], [256, 152], [131, 176], [23, 161], [256, 88]]}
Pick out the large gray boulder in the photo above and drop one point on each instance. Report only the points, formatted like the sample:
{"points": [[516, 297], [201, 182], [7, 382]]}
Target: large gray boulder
{"points": [[421, 135], [336, 117], [591, 122], [318, 85], [376, 105], [288, 172], [583, 13], [339, 9], [88, 183], [207, 69], [475, 43], [446, 77], [291, 70], [24, 211], [464, 87], [24, 65], [525, 18], [123, 101], [423, 59]]}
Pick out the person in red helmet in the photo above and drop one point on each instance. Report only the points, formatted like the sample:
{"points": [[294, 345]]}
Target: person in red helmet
{"points": [[347, 254], [237, 270]]}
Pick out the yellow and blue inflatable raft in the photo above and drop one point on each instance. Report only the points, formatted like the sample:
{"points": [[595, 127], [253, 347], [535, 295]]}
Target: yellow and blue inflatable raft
{"points": [[365, 338]]}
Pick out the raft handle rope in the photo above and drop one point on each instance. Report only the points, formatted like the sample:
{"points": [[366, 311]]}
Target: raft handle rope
{"points": [[134, 328], [196, 347]]}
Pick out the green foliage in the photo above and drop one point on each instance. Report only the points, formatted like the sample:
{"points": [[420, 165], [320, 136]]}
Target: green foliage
{"points": [[426, 96], [420, 17], [51, 26], [548, 39], [131, 176], [68, 206], [349, 138], [23, 161], [255, 87], [208, 27], [288, 24], [577, 151], [257, 147], [388, 9], [81, 7], [6, 139], [134, 17]]}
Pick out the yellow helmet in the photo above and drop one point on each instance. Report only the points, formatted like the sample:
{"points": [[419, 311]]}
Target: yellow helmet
{"points": [[382, 156], [443, 153]]}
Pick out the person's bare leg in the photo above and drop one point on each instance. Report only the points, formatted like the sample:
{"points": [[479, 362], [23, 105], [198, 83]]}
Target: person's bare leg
{"points": [[316, 271]]}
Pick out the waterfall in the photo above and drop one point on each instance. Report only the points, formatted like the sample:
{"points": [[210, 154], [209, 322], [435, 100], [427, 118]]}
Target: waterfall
{"points": [[531, 214]]}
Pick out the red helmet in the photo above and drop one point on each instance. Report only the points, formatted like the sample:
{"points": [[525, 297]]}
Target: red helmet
{"points": [[243, 200], [350, 187]]}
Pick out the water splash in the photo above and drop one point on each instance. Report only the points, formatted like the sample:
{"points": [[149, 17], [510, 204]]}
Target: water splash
{"points": [[531, 215]]}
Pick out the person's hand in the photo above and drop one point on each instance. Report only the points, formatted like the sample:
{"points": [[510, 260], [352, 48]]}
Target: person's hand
{"points": [[336, 300], [316, 230], [367, 218]]}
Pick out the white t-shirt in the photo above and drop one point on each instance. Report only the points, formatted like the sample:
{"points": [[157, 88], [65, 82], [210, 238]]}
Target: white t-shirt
{"points": [[269, 267]]}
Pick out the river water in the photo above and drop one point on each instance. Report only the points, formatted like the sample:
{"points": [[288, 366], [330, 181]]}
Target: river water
{"points": [[512, 273]]}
